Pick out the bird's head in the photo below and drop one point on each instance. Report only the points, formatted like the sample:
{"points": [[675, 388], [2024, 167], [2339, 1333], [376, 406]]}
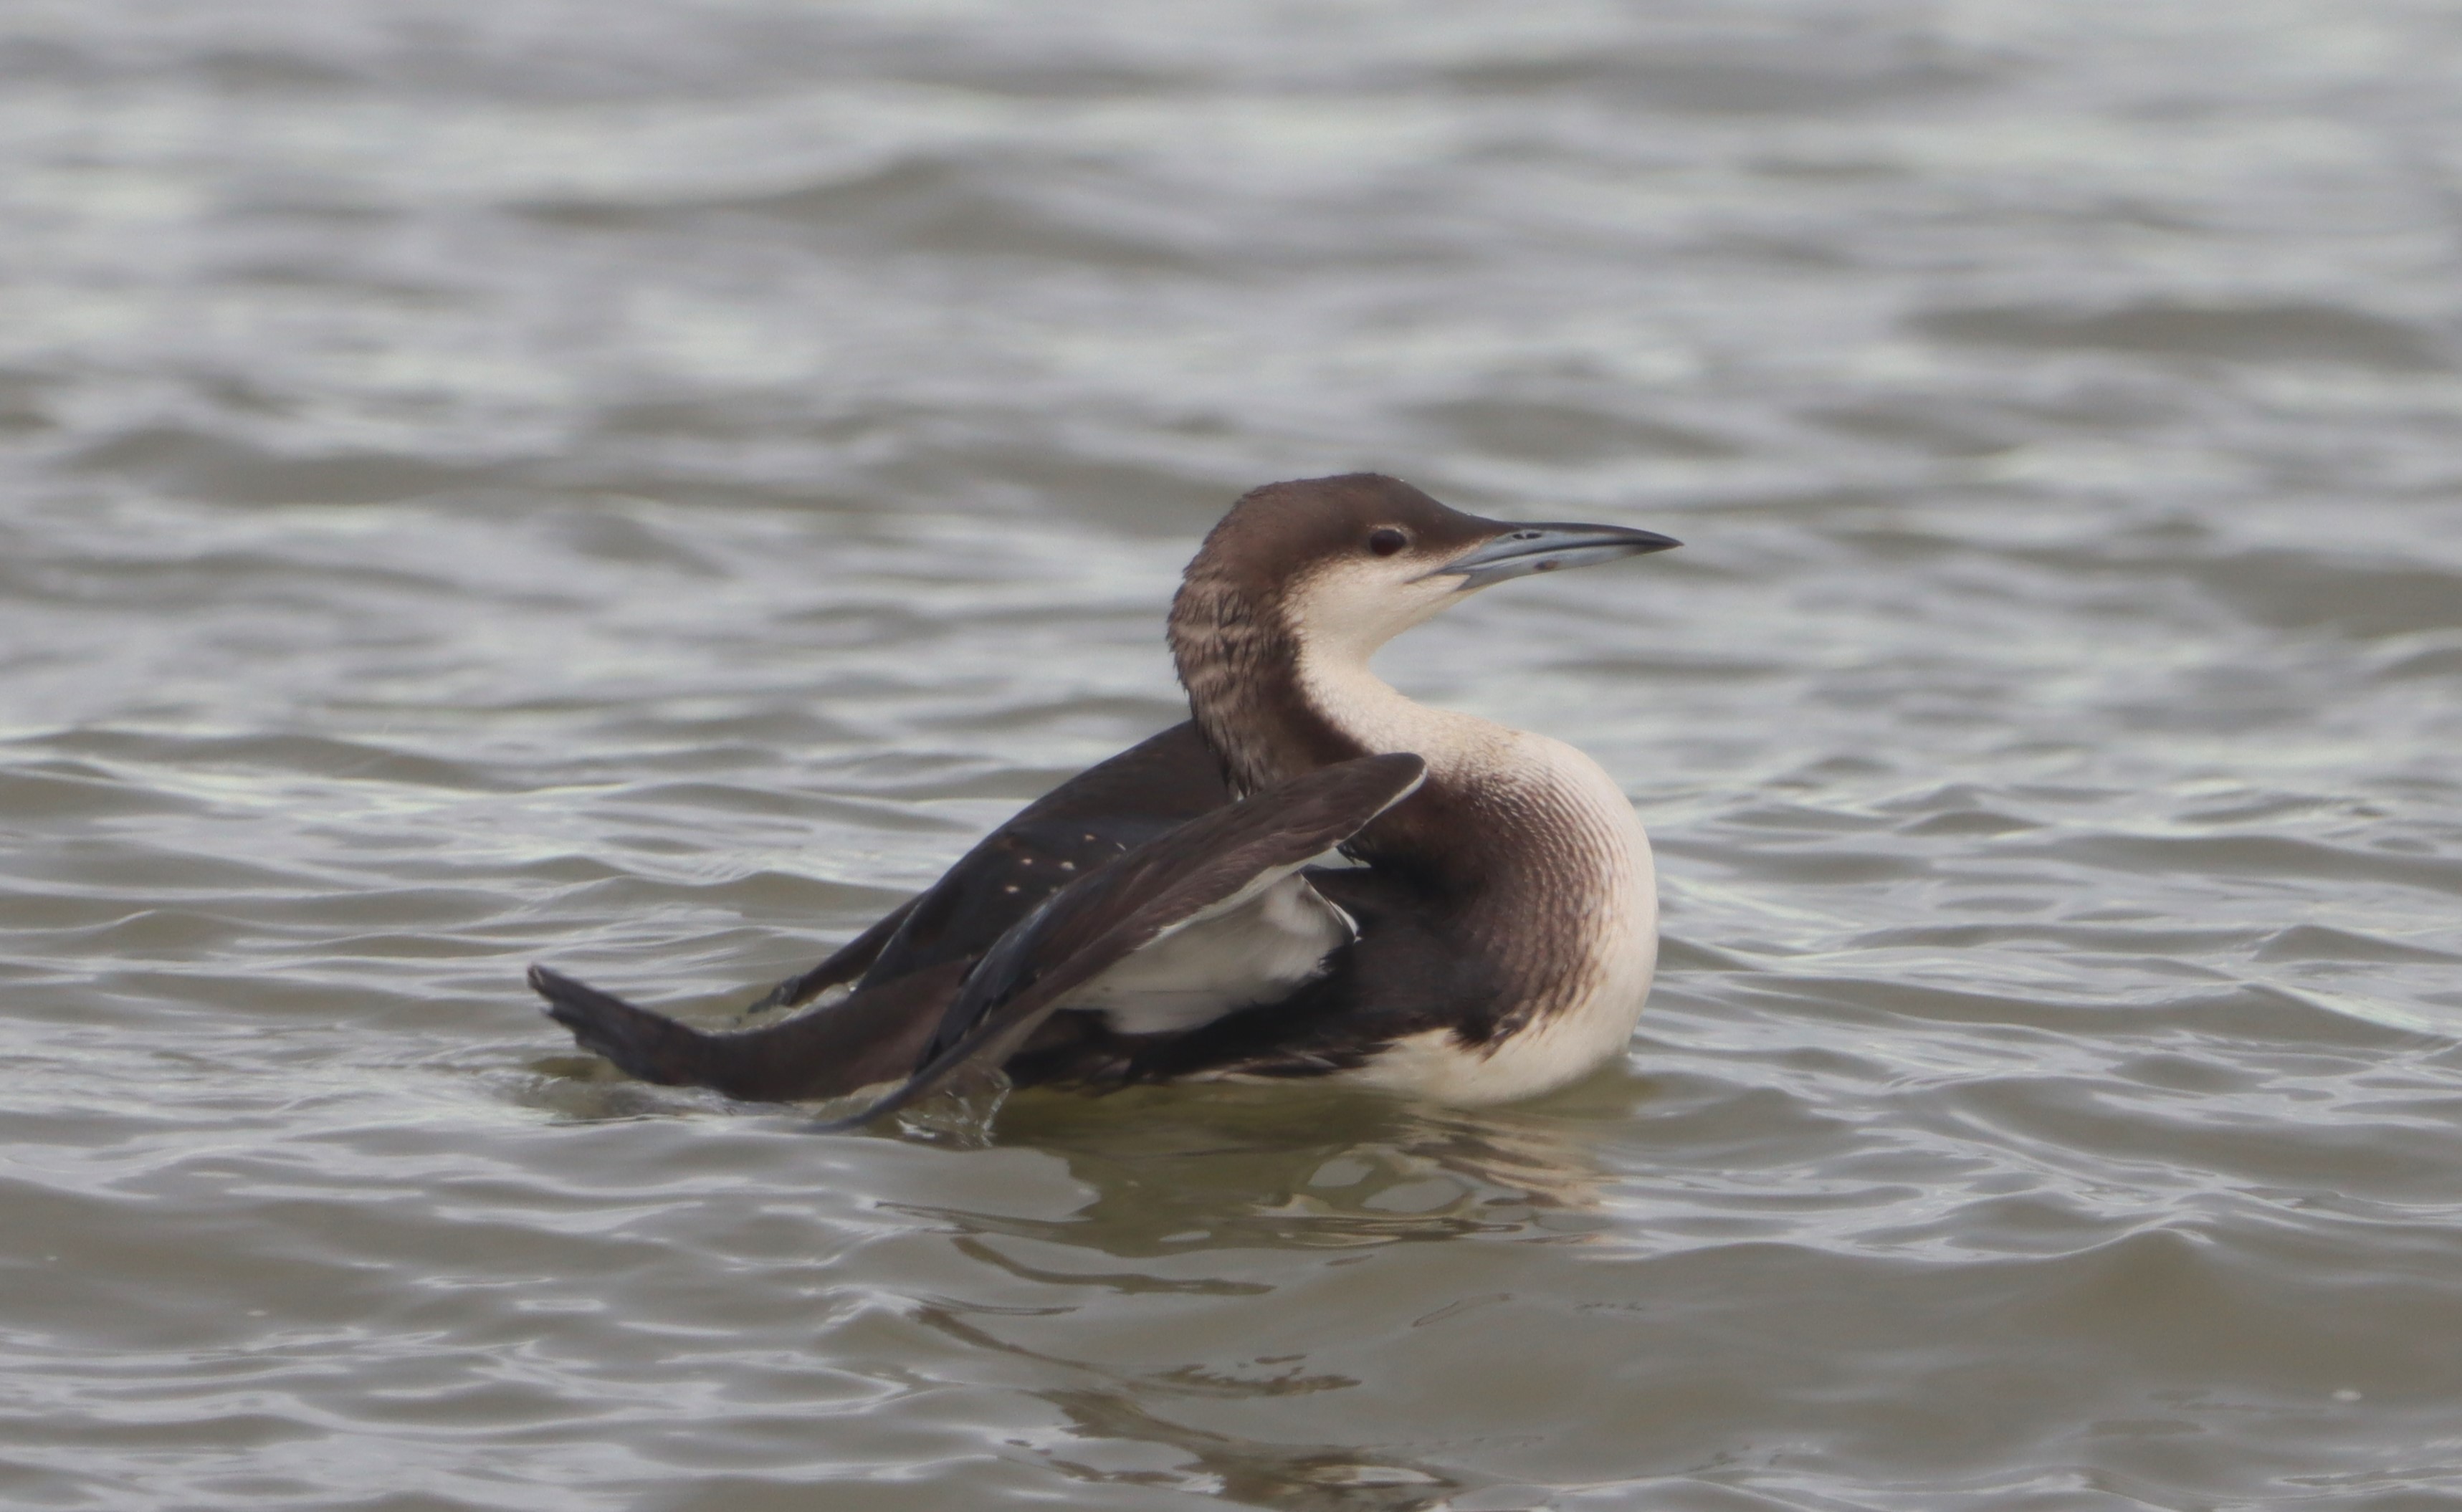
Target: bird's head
{"points": [[1344, 564]]}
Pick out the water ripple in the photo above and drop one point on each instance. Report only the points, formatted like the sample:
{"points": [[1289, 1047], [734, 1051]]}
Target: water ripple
{"points": [[644, 487]]}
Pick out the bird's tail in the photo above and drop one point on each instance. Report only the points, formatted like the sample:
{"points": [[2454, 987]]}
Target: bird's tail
{"points": [[872, 1036], [642, 1044]]}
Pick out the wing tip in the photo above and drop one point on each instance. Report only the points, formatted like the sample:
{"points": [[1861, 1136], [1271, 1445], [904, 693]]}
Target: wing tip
{"points": [[1409, 769]]}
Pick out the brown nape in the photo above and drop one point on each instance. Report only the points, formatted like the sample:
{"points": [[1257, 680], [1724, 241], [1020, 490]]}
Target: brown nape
{"points": [[1231, 635]]}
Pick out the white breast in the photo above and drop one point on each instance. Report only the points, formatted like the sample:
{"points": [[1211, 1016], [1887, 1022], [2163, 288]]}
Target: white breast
{"points": [[1599, 874], [1612, 890]]}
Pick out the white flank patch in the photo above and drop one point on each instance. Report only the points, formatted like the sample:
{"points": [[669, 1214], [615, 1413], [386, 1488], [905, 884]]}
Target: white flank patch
{"points": [[1256, 946]]}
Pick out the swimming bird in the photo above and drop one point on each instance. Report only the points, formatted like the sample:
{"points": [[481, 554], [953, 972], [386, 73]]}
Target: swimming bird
{"points": [[1167, 914]]}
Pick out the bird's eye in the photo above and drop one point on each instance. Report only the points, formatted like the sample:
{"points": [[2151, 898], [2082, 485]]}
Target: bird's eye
{"points": [[1385, 540]]}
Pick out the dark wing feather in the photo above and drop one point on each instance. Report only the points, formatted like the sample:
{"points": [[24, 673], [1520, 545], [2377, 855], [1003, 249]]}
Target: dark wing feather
{"points": [[1083, 824], [1097, 921], [847, 963]]}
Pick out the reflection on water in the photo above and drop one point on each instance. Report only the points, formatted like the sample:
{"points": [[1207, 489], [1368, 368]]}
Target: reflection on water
{"points": [[645, 487], [1222, 1169], [1188, 1195]]}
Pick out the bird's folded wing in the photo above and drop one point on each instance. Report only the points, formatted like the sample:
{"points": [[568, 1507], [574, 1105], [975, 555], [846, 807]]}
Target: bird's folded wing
{"points": [[1083, 824], [1164, 884]]}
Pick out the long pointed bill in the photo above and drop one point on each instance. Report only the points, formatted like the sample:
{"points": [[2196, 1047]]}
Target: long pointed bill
{"points": [[1527, 549]]}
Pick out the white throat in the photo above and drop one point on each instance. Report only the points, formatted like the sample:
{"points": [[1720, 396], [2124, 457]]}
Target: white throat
{"points": [[1336, 681]]}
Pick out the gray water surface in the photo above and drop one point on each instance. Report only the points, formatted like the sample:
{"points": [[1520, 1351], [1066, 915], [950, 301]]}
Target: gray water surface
{"points": [[642, 485]]}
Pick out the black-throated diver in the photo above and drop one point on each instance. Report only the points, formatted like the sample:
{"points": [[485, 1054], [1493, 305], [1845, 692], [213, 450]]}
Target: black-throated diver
{"points": [[1155, 918]]}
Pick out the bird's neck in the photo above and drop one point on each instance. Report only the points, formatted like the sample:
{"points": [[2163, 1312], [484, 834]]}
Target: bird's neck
{"points": [[1274, 702], [1270, 703]]}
